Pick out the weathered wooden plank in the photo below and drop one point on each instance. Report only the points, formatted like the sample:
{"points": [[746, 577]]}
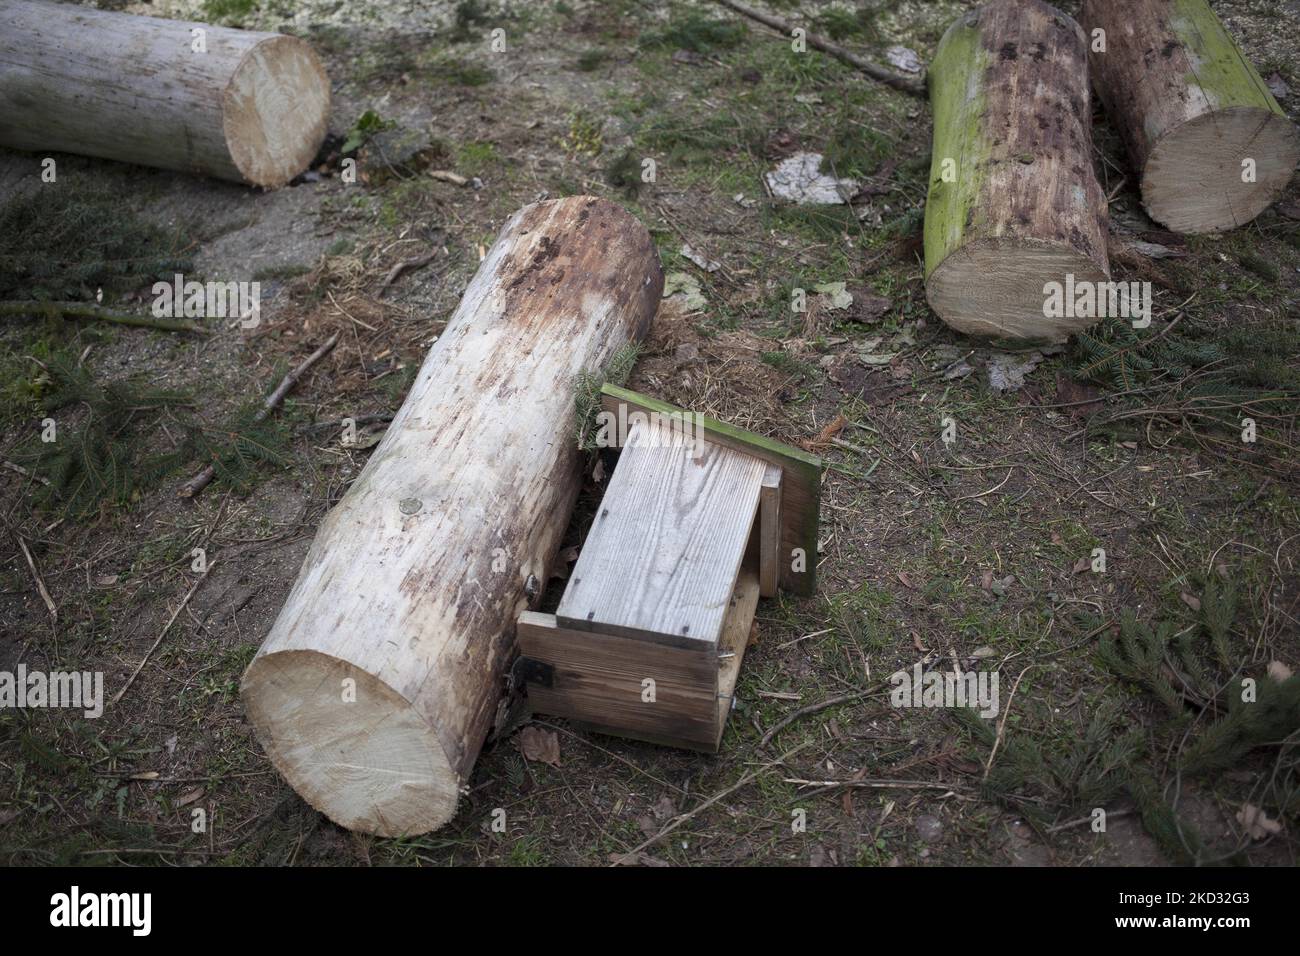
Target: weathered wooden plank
{"points": [[735, 639], [661, 558], [601, 679], [769, 523], [800, 479]]}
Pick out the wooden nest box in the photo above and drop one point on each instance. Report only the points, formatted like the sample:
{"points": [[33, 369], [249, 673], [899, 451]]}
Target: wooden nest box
{"points": [[700, 519]]}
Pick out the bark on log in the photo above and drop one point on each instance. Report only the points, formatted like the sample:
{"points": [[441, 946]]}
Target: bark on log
{"points": [[249, 107], [1014, 200], [1191, 110], [413, 584]]}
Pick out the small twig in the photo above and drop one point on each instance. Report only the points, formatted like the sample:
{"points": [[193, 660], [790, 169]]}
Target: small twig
{"points": [[682, 818], [1110, 815], [201, 480], [40, 585], [447, 176], [82, 310], [812, 709], [406, 265], [907, 84], [1002, 724], [876, 784], [26, 473], [167, 627]]}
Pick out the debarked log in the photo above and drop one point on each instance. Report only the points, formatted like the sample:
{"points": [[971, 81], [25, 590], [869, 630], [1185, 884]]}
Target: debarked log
{"points": [[377, 684], [237, 105]]}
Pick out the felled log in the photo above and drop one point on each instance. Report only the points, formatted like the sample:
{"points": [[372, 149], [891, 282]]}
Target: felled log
{"points": [[1014, 202], [377, 684], [1211, 144], [249, 107]]}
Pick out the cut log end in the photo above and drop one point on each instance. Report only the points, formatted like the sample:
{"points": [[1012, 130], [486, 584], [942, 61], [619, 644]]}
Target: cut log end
{"points": [[275, 111], [997, 289], [358, 752], [1209, 151]]}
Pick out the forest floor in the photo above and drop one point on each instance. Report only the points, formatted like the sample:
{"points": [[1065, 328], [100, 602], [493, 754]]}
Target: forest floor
{"points": [[983, 553]]}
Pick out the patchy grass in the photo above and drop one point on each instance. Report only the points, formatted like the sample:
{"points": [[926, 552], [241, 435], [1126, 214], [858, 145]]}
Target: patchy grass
{"points": [[976, 554]]}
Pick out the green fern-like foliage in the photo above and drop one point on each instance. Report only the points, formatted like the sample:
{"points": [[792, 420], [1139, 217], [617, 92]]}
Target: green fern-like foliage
{"points": [[587, 388], [1218, 716], [69, 240], [109, 437], [99, 458], [1208, 376]]}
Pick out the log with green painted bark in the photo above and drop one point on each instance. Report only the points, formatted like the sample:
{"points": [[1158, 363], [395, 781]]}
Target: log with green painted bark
{"points": [[1014, 203], [1211, 144]]}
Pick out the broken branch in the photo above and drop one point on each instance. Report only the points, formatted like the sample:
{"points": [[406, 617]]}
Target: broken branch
{"points": [[906, 84]]}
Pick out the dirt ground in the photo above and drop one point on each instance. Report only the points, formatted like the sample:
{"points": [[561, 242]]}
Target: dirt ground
{"points": [[975, 554]]}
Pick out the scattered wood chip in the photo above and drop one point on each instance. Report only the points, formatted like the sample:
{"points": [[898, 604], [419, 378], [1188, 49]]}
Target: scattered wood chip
{"points": [[1258, 824], [1279, 672], [704, 262], [185, 799], [447, 176], [823, 437]]}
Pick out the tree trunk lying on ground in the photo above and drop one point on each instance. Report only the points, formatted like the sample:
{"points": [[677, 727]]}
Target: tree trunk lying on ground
{"points": [[250, 107], [377, 684], [1210, 142], [1014, 201]]}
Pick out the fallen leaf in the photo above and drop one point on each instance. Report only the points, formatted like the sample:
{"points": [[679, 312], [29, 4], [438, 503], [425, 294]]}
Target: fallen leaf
{"points": [[185, 799], [986, 580], [980, 653], [540, 745], [958, 369], [705, 263], [799, 179], [1191, 600], [1080, 399], [1279, 671], [869, 308], [836, 296], [904, 59], [1007, 372], [906, 581], [665, 809], [1083, 564]]}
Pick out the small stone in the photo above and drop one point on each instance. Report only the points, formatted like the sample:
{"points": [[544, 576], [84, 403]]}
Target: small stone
{"points": [[410, 506]]}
